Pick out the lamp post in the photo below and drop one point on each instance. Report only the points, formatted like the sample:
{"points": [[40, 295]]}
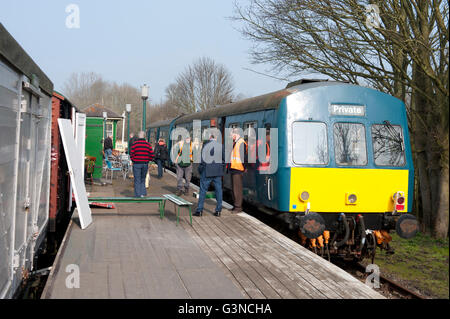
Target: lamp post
{"points": [[105, 115], [144, 96], [128, 109]]}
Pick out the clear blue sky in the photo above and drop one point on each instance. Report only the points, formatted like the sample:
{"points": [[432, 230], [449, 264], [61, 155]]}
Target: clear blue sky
{"points": [[134, 41]]}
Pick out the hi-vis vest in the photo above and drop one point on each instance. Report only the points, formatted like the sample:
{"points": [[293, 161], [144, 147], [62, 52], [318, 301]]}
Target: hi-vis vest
{"points": [[181, 151], [236, 161]]}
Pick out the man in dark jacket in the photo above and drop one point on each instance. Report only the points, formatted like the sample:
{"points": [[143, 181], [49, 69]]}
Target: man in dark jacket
{"points": [[131, 141], [108, 146], [161, 155], [141, 153], [211, 169]]}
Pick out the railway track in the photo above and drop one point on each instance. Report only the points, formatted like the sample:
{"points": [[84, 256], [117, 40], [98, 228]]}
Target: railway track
{"points": [[388, 287]]}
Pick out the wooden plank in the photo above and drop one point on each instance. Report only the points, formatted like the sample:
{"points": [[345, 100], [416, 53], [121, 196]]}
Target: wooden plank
{"points": [[321, 266], [115, 287], [202, 245], [295, 263], [296, 285], [249, 287], [177, 200], [278, 257], [239, 261], [272, 280], [209, 283]]}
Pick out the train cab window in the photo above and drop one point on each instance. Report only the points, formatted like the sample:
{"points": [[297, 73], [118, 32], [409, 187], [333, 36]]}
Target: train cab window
{"points": [[388, 145], [350, 144], [310, 145]]}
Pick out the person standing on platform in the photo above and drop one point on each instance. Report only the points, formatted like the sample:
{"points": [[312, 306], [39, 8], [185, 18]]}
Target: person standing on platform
{"points": [[161, 155], [141, 153], [211, 170], [108, 146], [237, 168], [184, 167]]}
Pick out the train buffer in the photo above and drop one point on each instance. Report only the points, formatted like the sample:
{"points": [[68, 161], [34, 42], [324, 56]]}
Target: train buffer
{"points": [[179, 202]]}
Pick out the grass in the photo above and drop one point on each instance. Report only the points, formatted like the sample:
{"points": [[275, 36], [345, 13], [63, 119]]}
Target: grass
{"points": [[421, 263]]}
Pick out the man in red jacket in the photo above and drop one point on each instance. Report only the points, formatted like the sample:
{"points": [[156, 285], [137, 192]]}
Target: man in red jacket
{"points": [[141, 153]]}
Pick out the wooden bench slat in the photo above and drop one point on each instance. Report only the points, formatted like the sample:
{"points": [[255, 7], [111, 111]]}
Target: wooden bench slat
{"points": [[125, 199], [177, 200]]}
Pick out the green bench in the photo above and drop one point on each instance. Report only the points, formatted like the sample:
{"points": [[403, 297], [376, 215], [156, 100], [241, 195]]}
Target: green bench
{"points": [[208, 194], [178, 202], [160, 200]]}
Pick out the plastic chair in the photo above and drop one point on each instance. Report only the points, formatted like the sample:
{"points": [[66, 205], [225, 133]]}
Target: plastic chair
{"points": [[126, 165], [110, 167]]}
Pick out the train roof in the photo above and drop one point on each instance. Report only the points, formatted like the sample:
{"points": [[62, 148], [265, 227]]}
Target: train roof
{"points": [[11, 50], [258, 103], [62, 97], [161, 123]]}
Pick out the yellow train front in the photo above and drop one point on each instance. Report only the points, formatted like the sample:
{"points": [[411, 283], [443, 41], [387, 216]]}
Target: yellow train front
{"points": [[345, 168]]}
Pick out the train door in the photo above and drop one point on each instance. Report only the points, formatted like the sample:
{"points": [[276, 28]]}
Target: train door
{"points": [[251, 137], [266, 182], [229, 123]]}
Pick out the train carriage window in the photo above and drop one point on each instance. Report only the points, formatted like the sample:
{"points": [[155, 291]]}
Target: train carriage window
{"points": [[310, 145], [388, 145], [350, 144], [250, 129]]}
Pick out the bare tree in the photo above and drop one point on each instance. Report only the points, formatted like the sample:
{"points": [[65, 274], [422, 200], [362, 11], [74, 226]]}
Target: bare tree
{"points": [[396, 46], [200, 86], [85, 89]]}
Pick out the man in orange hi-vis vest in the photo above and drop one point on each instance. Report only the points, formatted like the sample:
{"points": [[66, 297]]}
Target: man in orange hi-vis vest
{"points": [[237, 168]]}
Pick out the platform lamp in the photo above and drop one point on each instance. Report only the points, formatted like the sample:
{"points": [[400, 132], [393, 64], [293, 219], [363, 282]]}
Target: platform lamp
{"points": [[105, 115], [128, 109], [144, 96]]}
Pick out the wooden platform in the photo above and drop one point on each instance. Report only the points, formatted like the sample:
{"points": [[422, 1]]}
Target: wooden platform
{"points": [[129, 252]]}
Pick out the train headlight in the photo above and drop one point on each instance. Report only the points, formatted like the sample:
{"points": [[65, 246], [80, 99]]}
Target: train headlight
{"points": [[351, 199], [304, 196]]}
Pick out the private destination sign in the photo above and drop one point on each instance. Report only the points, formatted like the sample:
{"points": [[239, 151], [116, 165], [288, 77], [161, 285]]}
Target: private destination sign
{"points": [[347, 109]]}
